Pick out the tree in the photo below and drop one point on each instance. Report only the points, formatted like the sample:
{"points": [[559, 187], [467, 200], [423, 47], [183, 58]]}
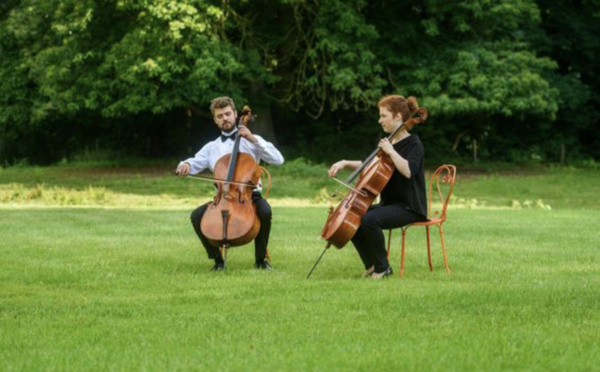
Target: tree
{"points": [[490, 72], [470, 63], [79, 59], [571, 30]]}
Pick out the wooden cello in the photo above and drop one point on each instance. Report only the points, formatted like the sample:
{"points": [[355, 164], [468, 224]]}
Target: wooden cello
{"points": [[374, 173], [231, 220]]}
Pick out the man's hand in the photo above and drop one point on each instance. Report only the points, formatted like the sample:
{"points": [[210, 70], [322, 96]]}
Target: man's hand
{"points": [[183, 169], [245, 132]]}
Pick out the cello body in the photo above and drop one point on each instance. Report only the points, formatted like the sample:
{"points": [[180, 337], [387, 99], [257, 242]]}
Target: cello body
{"points": [[342, 223], [241, 224]]}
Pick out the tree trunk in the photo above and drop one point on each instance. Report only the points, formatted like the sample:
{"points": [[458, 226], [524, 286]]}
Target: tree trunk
{"points": [[261, 107]]}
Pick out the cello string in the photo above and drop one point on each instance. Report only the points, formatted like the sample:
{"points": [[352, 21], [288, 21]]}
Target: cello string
{"points": [[221, 181]]}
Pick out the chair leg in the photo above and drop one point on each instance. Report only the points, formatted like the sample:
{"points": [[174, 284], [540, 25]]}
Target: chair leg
{"points": [[402, 254], [429, 249], [444, 250], [389, 243]]}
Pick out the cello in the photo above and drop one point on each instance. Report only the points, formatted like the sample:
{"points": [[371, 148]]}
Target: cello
{"points": [[230, 219], [374, 173]]}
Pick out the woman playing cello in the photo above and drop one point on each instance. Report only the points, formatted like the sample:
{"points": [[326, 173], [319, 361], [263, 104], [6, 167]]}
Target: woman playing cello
{"points": [[403, 199]]}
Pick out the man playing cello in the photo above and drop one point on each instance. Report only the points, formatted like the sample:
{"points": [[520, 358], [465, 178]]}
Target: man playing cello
{"points": [[225, 117]]}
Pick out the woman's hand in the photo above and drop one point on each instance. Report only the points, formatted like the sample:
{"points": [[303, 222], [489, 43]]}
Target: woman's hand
{"points": [[336, 167], [386, 146]]}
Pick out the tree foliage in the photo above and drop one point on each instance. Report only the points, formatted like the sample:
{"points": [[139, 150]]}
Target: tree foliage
{"points": [[76, 71]]}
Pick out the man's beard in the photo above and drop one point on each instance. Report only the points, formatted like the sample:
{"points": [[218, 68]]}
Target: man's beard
{"points": [[233, 128]]}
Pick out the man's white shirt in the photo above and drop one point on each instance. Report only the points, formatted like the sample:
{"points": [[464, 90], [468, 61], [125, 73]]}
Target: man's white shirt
{"points": [[210, 153]]}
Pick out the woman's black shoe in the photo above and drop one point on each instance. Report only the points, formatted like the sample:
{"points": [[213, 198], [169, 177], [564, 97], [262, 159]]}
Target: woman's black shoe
{"points": [[382, 275]]}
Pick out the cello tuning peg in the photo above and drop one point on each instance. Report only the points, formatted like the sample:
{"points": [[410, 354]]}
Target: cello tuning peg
{"points": [[246, 116], [246, 110]]}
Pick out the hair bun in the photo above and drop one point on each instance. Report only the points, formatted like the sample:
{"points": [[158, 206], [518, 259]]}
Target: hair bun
{"points": [[413, 104], [423, 114]]}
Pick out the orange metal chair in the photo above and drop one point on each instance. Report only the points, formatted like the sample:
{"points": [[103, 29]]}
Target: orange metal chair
{"points": [[442, 183]]}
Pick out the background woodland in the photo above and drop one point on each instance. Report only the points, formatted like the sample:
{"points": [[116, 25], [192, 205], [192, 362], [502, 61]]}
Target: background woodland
{"points": [[510, 81]]}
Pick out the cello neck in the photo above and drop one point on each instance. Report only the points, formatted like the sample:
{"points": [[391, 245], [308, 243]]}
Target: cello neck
{"points": [[243, 121], [357, 171], [233, 160]]}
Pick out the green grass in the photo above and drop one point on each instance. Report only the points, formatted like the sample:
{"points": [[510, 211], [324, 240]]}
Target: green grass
{"points": [[564, 188], [155, 185], [102, 286]]}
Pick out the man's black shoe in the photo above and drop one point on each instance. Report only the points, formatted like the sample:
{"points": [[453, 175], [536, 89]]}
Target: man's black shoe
{"points": [[263, 265], [219, 266]]}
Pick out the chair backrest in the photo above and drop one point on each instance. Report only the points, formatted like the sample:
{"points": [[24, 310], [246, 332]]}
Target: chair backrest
{"points": [[441, 185], [264, 174]]}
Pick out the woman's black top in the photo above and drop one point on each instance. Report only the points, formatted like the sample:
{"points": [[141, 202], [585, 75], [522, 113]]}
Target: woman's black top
{"points": [[408, 192]]}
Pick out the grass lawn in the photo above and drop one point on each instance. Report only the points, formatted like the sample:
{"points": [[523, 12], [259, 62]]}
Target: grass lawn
{"points": [[102, 271]]}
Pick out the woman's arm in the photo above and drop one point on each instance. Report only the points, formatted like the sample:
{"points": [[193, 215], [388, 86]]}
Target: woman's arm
{"points": [[336, 167], [399, 162]]}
